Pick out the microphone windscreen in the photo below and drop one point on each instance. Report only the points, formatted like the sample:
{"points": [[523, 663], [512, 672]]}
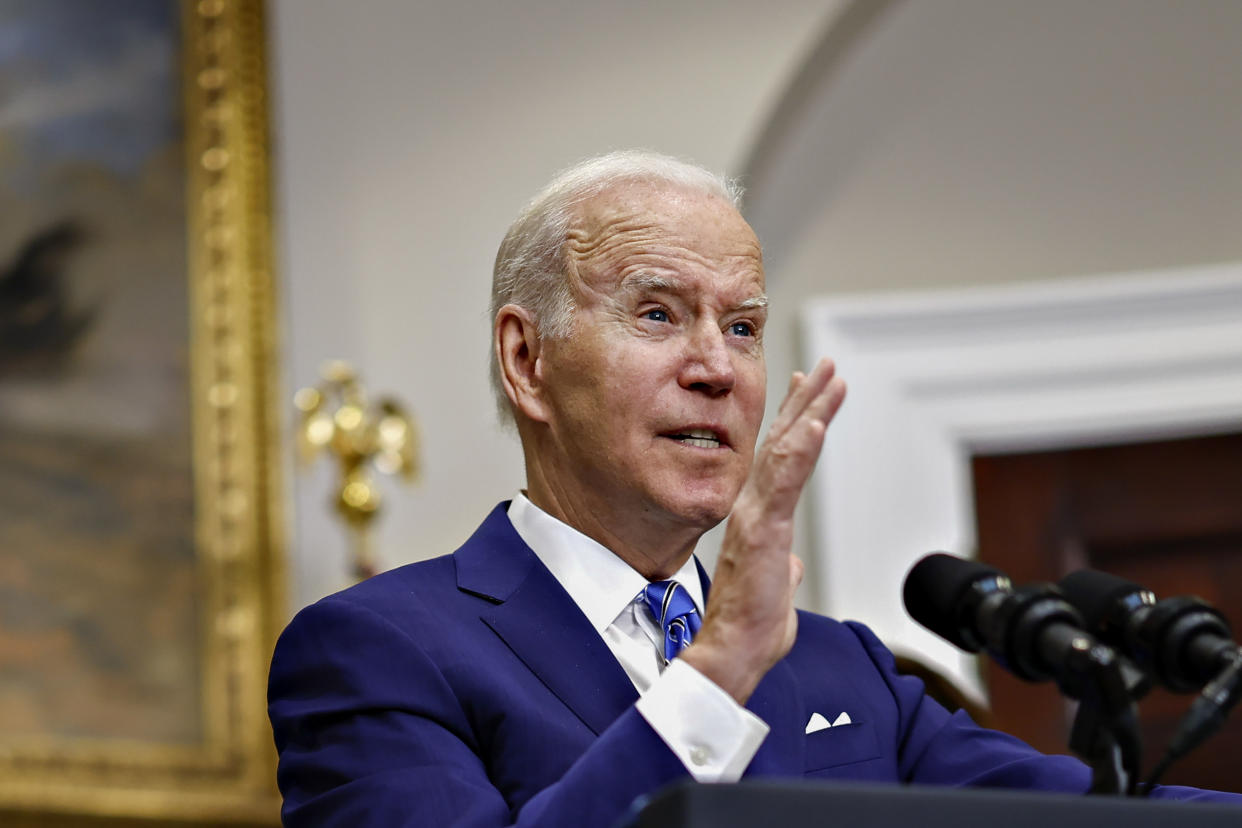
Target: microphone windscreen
{"points": [[1096, 595], [934, 591]]}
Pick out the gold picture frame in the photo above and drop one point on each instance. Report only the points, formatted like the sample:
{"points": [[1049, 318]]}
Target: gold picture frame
{"points": [[227, 775]]}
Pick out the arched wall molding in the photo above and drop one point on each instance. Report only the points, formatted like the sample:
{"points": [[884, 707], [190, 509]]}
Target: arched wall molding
{"points": [[782, 146], [1159, 182], [968, 141]]}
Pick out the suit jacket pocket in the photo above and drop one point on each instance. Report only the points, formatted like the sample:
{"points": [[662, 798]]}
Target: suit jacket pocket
{"points": [[841, 745]]}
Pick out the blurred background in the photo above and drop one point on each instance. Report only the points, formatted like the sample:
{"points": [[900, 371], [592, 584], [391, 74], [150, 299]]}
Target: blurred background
{"points": [[897, 155], [886, 146]]}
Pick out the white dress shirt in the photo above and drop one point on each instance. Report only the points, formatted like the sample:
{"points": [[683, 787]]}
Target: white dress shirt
{"points": [[712, 735]]}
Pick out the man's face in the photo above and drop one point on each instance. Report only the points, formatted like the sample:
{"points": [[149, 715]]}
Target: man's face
{"points": [[654, 401]]}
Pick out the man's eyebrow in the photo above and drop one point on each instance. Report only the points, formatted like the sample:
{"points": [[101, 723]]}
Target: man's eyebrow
{"points": [[652, 281]]}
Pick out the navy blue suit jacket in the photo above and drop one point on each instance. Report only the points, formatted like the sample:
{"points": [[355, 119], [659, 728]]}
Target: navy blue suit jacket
{"points": [[470, 690]]}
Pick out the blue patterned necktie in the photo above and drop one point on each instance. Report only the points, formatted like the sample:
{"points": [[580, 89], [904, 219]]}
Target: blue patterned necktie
{"points": [[673, 609]]}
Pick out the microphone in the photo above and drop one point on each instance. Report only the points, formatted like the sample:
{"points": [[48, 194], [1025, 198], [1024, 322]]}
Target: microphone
{"points": [[1032, 631], [1183, 642]]}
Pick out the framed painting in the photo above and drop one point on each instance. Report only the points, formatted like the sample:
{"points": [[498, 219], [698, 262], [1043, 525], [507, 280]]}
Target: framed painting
{"points": [[140, 513]]}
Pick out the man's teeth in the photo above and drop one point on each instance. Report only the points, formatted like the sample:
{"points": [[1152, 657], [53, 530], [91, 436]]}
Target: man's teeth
{"points": [[698, 437]]}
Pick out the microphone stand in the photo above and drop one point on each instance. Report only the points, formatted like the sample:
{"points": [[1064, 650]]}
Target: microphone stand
{"points": [[1105, 730], [1205, 716]]}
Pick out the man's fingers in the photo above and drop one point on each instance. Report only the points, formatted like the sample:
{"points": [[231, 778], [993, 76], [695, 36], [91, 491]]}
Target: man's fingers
{"points": [[802, 390], [805, 437], [793, 436], [795, 380], [802, 387], [786, 459], [826, 404]]}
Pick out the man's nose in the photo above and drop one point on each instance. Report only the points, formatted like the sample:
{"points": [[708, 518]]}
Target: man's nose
{"points": [[707, 365]]}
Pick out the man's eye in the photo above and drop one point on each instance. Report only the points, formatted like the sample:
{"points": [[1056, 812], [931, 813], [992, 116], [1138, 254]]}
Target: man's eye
{"points": [[656, 315], [742, 329]]}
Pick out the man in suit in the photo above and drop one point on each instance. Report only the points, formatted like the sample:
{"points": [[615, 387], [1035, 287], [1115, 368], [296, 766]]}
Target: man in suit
{"points": [[567, 658]]}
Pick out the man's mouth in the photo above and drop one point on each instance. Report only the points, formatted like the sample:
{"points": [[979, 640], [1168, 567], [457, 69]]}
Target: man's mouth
{"points": [[697, 437]]}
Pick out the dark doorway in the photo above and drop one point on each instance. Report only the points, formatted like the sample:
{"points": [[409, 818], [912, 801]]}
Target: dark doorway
{"points": [[1167, 515]]}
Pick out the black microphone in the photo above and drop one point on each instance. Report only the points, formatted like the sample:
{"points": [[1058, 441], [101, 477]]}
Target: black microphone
{"points": [[1032, 631], [1183, 642], [1035, 633]]}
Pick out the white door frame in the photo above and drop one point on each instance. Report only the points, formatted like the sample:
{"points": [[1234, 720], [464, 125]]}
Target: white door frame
{"points": [[934, 377]]}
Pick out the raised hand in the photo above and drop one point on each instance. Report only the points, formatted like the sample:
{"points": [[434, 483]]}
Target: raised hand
{"points": [[750, 623]]}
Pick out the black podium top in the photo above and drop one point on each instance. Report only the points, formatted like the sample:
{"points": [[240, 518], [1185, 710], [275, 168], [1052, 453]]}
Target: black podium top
{"points": [[836, 805]]}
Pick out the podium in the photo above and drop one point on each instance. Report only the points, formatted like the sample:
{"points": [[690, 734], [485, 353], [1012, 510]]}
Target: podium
{"points": [[802, 804]]}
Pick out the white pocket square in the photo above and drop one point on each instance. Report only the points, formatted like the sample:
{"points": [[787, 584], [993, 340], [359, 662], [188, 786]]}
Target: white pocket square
{"points": [[818, 722]]}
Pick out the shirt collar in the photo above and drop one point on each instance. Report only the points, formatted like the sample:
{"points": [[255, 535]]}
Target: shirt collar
{"points": [[600, 583]]}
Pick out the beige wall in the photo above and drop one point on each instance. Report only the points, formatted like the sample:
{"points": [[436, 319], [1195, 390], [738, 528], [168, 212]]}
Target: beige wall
{"points": [[946, 142], [410, 133], [977, 142]]}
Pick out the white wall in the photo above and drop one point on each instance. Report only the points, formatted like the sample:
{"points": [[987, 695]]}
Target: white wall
{"points": [[944, 142], [1001, 140], [408, 134], [979, 142]]}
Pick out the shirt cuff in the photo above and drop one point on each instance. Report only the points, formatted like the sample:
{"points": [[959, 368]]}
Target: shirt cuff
{"points": [[712, 735]]}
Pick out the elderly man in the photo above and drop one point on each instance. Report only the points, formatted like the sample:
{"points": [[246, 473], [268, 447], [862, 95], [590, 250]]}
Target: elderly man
{"points": [[567, 658]]}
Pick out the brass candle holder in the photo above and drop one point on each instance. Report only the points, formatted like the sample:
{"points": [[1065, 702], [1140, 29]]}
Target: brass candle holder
{"points": [[336, 417]]}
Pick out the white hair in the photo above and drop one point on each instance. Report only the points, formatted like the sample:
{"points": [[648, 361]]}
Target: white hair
{"points": [[530, 264]]}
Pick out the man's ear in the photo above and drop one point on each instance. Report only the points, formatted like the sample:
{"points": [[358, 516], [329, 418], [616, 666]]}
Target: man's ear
{"points": [[519, 355]]}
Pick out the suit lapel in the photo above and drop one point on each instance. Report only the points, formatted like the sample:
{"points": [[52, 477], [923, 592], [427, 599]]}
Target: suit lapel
{"points": [[541, 624], [544, 628]]}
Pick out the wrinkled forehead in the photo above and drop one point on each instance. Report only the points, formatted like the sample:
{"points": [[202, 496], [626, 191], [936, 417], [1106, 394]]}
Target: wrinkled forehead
{"points": [[642, 218]]}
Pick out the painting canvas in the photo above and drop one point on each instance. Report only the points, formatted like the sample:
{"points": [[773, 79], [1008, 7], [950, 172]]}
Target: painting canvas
{"points": [[135, 543], [98, 626]]}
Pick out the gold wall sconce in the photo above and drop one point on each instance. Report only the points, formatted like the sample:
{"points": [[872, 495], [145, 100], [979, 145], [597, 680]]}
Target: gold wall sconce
{"points": [[336, 417]]}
